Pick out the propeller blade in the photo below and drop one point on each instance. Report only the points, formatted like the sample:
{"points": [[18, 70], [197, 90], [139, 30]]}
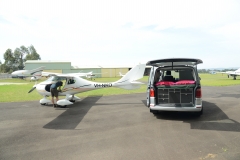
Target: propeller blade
{"points": [[31, 89]]}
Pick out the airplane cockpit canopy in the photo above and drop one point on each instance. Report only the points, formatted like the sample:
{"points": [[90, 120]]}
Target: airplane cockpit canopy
{"points": [[56, 78]]}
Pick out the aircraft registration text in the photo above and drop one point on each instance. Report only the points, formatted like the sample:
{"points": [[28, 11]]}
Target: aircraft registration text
{"points": [[103, 85]]}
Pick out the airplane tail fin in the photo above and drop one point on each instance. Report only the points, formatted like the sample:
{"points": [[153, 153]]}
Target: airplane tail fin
{"points": [[238, 70], [37, 71], [129, 80]]}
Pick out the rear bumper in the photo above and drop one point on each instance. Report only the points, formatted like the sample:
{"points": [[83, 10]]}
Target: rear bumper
{"points": [[176, 107], [181, 109]]}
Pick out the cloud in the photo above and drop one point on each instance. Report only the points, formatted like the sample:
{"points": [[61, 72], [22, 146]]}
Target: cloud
{"points": [[124, 31]]}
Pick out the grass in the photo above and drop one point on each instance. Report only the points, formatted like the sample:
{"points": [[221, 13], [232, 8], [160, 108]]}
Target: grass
{"points": [[19, 93], [217, 80]]}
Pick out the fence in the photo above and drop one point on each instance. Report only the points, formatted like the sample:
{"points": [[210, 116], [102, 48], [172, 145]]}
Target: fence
{"points": [[5, 76]]}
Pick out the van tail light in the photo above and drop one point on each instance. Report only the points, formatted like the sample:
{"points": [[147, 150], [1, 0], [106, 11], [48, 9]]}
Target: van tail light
{"points": [[198, 93], [151, 93]]}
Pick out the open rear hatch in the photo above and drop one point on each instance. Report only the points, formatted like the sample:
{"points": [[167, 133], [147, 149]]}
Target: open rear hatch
{"points": [[174, 62], [180, 92]]}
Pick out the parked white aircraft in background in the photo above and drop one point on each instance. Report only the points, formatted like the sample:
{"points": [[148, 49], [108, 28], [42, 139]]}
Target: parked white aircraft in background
{"points": [[121, 75], [234, 74], [74, 84], [212, 72], [49, 74], [28, 73], [38, 73]]}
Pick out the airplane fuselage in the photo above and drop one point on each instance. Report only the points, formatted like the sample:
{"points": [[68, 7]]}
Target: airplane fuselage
{"points": [[73, 84], [79, 85]]}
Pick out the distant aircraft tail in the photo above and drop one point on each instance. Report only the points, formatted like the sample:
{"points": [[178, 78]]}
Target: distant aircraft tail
{"points": [[129, 80], [37, 71]]}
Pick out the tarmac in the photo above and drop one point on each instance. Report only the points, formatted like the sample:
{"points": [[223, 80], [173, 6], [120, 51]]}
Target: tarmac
{"points": [[121, 127]]}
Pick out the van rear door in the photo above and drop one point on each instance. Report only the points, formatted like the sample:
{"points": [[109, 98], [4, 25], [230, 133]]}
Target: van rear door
{"points": [[174, 62]]}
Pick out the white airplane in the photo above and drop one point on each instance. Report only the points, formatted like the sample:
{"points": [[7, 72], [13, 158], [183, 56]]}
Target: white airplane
{"points": [[28, 73], [74, 84], [234, 74], [38, 73]]}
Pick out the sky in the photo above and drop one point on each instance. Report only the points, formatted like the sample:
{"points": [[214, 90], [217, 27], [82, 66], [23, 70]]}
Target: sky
{"points": [[124, 32]]}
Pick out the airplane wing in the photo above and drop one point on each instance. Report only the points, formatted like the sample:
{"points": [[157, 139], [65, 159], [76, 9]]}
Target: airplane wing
{"points": [[47, 74], [68, 75]]}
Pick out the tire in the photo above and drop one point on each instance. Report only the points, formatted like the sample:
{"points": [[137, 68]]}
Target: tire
{"points": [[43, 104], [153, 111], [198, 114], [72, 101]]}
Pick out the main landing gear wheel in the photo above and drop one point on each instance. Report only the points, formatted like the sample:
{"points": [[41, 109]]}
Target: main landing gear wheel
{"points": [[63, 106], [72, 101]]}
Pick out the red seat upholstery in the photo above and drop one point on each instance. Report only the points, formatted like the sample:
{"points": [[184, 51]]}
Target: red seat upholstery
{"points": [[185, 82], [170, 83]]}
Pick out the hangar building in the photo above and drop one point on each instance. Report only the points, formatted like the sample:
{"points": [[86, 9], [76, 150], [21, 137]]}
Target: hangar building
{"points": [[66, 67]]}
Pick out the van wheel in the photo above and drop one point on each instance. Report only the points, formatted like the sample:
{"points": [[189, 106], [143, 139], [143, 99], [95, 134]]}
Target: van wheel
{"points": [[153, 111], [198, 114]]}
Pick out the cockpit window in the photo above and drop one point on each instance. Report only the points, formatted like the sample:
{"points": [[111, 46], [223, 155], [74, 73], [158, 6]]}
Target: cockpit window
{"points": [[71, 81]]}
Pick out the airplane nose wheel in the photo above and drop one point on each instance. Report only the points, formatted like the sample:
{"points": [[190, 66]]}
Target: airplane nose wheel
{"points": [[72, 101]]}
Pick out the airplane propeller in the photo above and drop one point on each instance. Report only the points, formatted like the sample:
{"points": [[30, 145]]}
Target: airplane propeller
{"points": [[34, 87], [31, 89]]}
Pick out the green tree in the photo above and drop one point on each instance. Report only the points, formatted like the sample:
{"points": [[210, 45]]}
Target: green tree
{"points": [[10, 62], [15, 60], [33, 55], [19, 54]]}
